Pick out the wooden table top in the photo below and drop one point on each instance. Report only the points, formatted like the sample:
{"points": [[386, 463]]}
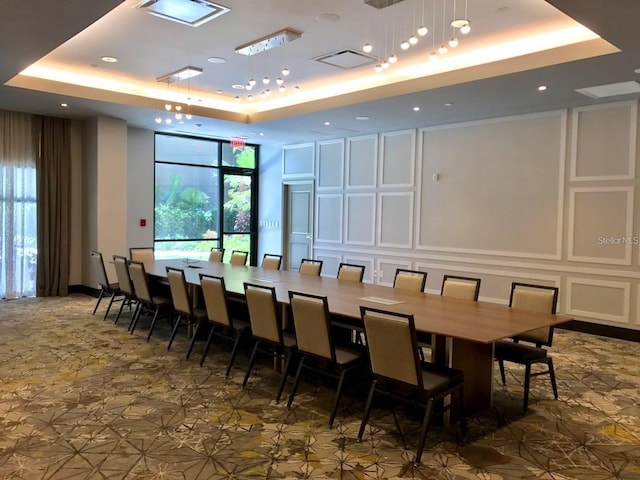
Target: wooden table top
{"points": [[480, 322]]}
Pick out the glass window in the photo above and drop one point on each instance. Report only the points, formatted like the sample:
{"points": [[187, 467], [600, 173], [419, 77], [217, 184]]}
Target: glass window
{"points": [[193, 151], [199, 204], [244, 157]]}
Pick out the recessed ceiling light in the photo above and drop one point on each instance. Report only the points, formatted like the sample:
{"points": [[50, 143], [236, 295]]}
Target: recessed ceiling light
{"points": [[64, 105], [216, 60], [416, 109], [238, 86], [261, 134], [362, 117], [327, 123], [109, 59], [448, 104], [219, 91], [542, 88]]}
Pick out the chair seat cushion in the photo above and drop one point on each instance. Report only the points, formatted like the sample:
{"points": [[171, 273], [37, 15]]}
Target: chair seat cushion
{"points": [[289, 341], [518, 353], [436, 378], [240, 325], [345, 356], [200, 315], [161, 301]]}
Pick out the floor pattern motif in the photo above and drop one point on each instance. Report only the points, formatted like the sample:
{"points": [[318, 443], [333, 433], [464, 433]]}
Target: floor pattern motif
{"points": [[81, 398]]}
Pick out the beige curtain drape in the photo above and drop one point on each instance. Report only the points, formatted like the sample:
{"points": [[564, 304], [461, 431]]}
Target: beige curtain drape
{"points": [[53, 178]]}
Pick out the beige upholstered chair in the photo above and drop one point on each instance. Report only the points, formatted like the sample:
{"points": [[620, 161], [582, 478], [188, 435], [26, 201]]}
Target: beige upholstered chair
{"points": [[222, 323], [266, 329], [537, 298], [183, 305], [216, 255], [238, 257], [398, 373], [413, 280], [353, 273], [112, 290], [464, 288], [124, 281], [319, 354], [310, 267], [271, 261], [147, 303], [141, 254]]}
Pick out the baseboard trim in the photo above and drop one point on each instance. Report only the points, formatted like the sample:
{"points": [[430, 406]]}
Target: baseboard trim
{"points": [[620, 333]]}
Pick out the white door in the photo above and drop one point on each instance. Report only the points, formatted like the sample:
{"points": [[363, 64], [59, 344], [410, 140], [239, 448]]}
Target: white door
{"points": [[299, 223]]}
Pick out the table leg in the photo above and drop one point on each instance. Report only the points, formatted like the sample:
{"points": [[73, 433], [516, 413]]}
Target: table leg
{"points": [[476, 360]]}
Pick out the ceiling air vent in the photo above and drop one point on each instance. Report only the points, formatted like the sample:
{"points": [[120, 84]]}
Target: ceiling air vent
{"points": [[610, 90], [346, 59], [187, 12]]}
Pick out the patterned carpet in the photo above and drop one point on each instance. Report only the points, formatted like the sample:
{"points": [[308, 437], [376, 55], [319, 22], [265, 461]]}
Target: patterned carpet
{"points": [[81, 398]]}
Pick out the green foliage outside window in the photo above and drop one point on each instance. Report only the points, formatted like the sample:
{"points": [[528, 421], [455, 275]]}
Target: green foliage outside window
{"points": [[182, 213]]}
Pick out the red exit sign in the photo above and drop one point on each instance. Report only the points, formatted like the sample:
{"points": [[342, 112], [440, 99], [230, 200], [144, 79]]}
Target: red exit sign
{"points": [[237, 142]]}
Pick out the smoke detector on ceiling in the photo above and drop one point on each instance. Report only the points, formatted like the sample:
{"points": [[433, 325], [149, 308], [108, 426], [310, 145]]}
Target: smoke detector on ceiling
{"points": [[188, 12]]}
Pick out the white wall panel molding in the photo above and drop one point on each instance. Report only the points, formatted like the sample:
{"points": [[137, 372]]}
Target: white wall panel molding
{"points": [[395, 219], [601, 225], [446, 193], [595, 298], [329, 217], [331, 262], [397, 158], [298, 161], [386, 268], [360, 218], [330, 164], [448, 259], [361, 162], [604, 132], [509, 275]]}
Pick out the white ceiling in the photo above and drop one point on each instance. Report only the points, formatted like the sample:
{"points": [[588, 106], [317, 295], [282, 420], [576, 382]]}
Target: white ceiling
{"points": [[72, 35]]}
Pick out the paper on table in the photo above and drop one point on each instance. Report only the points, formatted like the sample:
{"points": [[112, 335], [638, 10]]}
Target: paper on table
{"points": [[384, 301]]}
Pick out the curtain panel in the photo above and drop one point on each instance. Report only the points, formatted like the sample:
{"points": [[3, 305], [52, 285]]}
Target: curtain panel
{"points": [[35, 157], [53, 174]]}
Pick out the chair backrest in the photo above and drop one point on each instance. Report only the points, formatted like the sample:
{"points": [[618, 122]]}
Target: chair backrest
{"points": [[140, 282], [464, 288], [97, 264], [214, 293], [264, 315], [413, 280], [312, 324], [538, 298], [122, 272], [348, 271], [216, 255], [238, 257], [271, 261], [141, 254], [392, 345], [179, 292], [311, 267]]}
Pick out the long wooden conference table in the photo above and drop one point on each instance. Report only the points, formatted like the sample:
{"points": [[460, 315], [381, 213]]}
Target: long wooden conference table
{"points": [[472, 327]]}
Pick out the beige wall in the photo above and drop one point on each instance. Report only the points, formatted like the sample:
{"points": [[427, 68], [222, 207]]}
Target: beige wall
{"points": [[104, 183], [548, 198]]}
